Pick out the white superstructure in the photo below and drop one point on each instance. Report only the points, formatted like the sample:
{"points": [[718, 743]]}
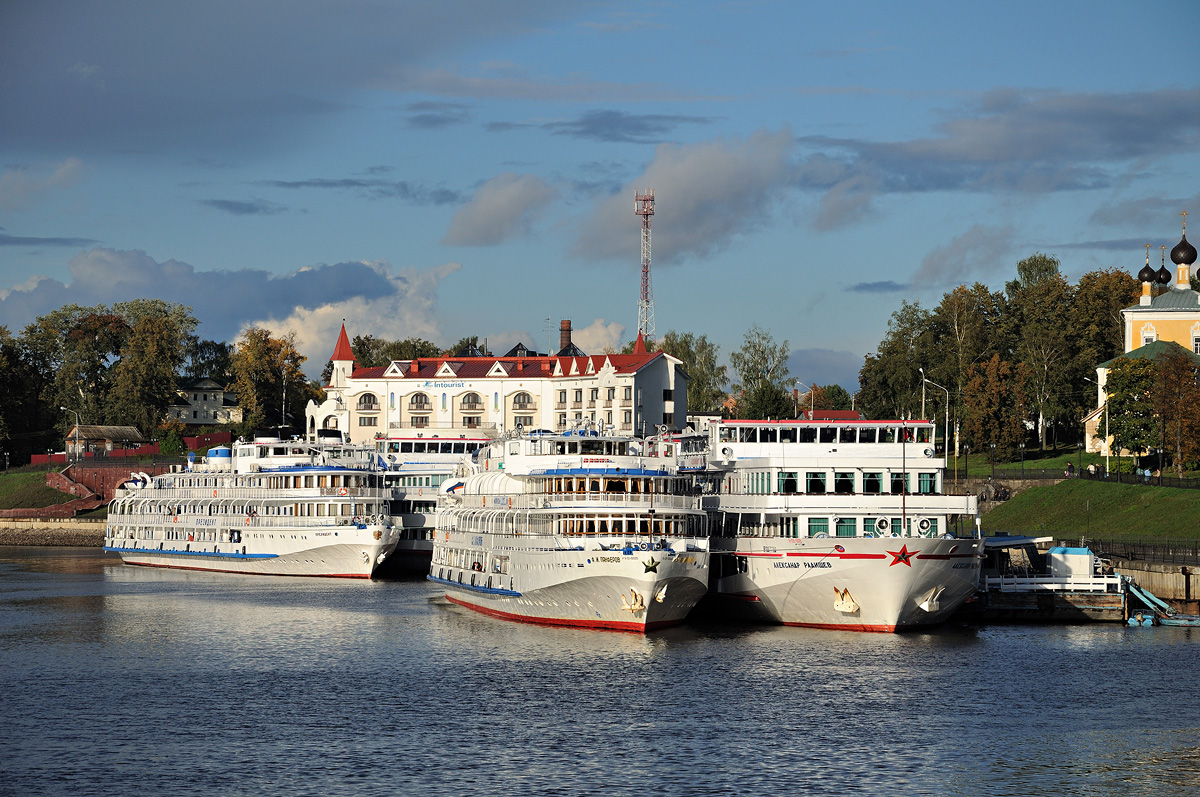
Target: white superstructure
{"points": [[574, 529], [838, 524], [418, 461], [268, 506]]}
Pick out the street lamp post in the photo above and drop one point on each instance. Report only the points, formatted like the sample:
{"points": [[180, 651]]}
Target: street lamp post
{"points": [[993, 462], [1022, 444], [64, 409], [1079, 470], [812, 399], [946, 439]]}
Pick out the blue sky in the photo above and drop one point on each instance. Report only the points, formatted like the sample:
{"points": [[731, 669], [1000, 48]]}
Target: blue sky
{"points": [[468, 168]]}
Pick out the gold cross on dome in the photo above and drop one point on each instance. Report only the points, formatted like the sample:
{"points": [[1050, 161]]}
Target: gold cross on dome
{"points": [[1184, 213]]}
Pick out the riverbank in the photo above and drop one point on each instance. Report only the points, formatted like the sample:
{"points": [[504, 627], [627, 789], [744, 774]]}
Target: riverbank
{"points": [[39, 531]]}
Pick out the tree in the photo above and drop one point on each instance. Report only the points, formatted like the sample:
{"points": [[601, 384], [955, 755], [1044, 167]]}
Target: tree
{"points": [[1175, 396], [268, 377], [832, 397], [706, 377], [1131, 419], [209, 359], [763, 379], [143, 381], [889, 381], [994, 405], [468, 347], [1039, 302]]}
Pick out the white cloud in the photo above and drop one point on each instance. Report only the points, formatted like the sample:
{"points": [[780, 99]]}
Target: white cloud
{"points": [[408, 311], [599, 336], [28, 286], [504, 207], [705, 193], [978, 251]]}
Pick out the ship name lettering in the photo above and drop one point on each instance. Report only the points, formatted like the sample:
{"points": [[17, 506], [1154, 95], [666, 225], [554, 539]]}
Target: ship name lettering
{"points": [[818, 564]]}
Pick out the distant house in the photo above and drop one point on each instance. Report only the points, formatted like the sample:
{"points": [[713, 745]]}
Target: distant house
{"points": [[88, 438], [204, 402]]}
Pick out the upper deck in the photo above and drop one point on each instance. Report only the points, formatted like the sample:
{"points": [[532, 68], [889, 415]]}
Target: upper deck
{"points": [[799, 440]]}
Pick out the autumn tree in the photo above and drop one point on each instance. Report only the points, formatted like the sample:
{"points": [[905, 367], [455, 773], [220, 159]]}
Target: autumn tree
{"points": [[1175, 396], [706, 376], [994, 406], [268, 378], [763, 379]]}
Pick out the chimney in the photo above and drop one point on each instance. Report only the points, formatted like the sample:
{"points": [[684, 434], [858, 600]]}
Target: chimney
{"points": [[564, 334]]}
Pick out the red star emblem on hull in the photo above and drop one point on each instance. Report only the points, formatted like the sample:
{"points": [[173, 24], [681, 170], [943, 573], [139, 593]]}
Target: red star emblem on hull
{"points": [[902, 556]]}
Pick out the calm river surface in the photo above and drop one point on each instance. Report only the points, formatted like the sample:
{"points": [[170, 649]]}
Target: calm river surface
{"points": [[126, 681]]}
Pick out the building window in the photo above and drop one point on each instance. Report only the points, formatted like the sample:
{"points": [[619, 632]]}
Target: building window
{"points": [[420, 422], [524, 421], [843, 483], [814, 482], [668, 418], [367, 402], [818, 525], [1147, 340], [872, 483], [371, 421], [927, 483], [668, 394], [419, 402], [847, 527], [522, 400], [1196, 345]]}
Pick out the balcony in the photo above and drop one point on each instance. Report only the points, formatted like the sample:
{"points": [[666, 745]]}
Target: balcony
{"points": [[471, 406], [420, 406], [525, 406]]}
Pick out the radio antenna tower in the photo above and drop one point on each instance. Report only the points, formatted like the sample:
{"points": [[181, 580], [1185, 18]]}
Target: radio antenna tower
{"points": [[643, 205]]}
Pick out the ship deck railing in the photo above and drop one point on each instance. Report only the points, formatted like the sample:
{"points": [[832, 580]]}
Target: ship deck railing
{"points": [[617, 501], [1050, 583], [238, 521]]}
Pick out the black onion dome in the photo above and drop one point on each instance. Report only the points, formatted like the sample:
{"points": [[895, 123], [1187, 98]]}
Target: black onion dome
{"points": [[1147, 274], [1183, 252], [1164, 276]]}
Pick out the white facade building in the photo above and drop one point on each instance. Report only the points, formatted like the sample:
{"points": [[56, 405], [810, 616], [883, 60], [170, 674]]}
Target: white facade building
{"points": [[631, 393]]}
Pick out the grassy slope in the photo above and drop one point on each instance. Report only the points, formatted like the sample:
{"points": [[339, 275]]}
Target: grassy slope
{"points": [[1080, 507], [28, 490]]}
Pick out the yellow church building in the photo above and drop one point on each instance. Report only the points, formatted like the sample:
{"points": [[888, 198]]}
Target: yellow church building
{"points": [[1153, 325]]}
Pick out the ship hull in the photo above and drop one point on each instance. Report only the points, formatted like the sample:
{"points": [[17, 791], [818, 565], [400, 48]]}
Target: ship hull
{"points": [[355, 558], [631, 590], [883, 584]]}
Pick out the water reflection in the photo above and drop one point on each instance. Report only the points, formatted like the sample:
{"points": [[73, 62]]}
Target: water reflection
{"points": [[119, 677]]}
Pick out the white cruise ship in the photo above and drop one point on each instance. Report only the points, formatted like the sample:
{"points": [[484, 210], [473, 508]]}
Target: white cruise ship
{"points": [[838, 524], [418, 460], [268, 507], [575, 529]]}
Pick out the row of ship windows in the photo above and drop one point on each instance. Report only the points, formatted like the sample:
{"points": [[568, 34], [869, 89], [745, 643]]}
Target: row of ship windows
{"points": [[276, 482], [616, 485], [819, 483], [825, 434], [323, 509], [794, 527]]}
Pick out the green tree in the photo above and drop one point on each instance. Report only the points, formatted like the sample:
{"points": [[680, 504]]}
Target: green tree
{"points": [[831, 397], [964, 326], [1039, 302], [209, 359], [764, 383], [143, 382], [1131, 420], [889, 381], [706, 376]]}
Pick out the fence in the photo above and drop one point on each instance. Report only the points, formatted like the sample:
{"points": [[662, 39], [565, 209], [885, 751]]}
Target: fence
{"points": [[1176, 552], [1057, 474]]}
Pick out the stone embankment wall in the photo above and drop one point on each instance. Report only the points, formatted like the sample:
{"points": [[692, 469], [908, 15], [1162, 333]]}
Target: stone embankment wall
{"points": [[1178, 585], [42, 531]]}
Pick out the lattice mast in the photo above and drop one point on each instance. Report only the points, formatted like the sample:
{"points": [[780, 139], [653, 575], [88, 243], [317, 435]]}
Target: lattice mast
{"points": [[643, 206]]}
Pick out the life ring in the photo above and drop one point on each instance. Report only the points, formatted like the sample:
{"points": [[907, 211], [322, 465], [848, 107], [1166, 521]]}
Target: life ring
{"points": [[214, 493], [343, 491], [247, 521], [355, 520]]}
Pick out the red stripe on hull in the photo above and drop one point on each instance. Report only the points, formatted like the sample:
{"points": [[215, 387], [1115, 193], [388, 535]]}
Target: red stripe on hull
{"points": [[878, 629], [249, 573], [602, 625]]}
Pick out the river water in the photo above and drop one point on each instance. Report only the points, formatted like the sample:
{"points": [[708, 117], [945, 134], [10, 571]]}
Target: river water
{"points": [[127, 681]]}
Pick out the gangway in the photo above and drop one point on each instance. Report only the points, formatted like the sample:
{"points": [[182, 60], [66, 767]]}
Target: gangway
{"points": [[1164, 614]]}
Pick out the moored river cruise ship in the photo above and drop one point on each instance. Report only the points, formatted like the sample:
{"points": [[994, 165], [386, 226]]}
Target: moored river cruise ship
{"points": [[838, 524], [267, 507], [418, 460], [577, 529]]}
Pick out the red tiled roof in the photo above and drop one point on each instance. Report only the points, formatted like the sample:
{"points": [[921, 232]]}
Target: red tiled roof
{"points": [[342, 350], [518, 367]]}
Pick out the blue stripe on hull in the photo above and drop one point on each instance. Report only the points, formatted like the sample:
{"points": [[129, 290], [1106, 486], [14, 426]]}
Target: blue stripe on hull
{"points": [[206, 554], [474, 588]]}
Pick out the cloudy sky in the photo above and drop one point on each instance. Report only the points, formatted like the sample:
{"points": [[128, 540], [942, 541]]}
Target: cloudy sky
{"points": [[468, 168]]}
